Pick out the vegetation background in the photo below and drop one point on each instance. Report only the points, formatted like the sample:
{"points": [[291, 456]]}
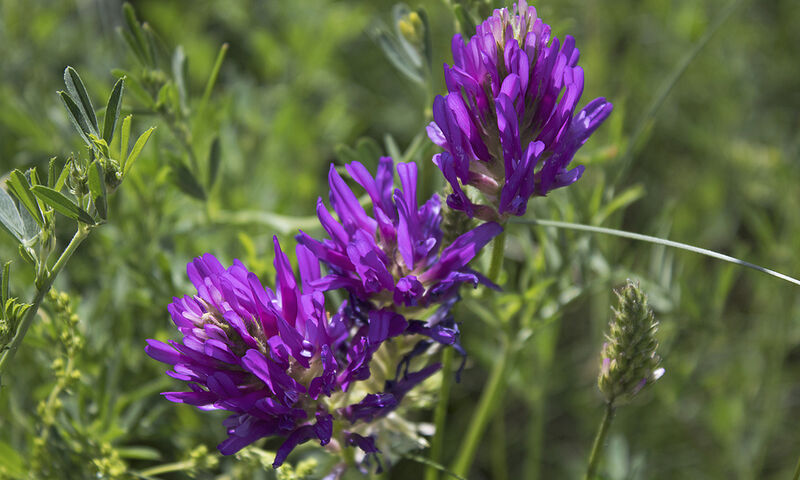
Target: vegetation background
{"points": [[715, 165]]}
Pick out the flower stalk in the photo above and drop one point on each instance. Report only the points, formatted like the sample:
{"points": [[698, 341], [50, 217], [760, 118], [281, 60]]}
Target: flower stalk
{"points": [[600, 441], [50, 276]]}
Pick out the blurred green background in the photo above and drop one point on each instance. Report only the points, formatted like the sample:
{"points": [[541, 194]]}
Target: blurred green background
{"points": [[715, 166]]}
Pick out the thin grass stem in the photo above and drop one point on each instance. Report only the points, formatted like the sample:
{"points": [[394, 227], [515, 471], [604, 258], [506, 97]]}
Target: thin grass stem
{"points": [[657, 241]]}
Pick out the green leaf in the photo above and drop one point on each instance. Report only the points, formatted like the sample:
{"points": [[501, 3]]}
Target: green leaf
{"points": [[9, 216], [133, 45], [125, 138], [76, 117], [345, 154], [427, 41], [134, 87], [112, 110], [391, 147], [22, 190], [212, 77], [62, 177], [139, 453], [397, 55], [368, 150], [78, 93], [620, 201], [31, 228], [61, 204], [138, 42], [13, 464], [465, 22], [185, 180], [213, 162], [97, 187], [137, 149], [51, 172], [179, 73], [4, 283]]}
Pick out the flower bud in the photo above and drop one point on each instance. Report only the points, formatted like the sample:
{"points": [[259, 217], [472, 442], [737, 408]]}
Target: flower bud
{"points": [[629, 360]]}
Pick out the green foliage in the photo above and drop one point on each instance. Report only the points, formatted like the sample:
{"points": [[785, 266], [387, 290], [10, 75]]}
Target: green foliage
{"points": [[252, 100]]}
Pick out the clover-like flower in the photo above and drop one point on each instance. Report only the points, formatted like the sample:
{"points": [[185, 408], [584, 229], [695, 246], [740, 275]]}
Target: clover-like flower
{"points": [[275, 358], [396, 255], [508, 124]]}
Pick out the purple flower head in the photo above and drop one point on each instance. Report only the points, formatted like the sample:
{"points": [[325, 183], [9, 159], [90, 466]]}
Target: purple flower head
{"points": [[508, 124], [275, 359], [395, 255]]}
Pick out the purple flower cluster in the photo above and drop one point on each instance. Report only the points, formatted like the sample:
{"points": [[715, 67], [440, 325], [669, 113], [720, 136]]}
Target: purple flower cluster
{"points": [[508, 124], [278, 361]]}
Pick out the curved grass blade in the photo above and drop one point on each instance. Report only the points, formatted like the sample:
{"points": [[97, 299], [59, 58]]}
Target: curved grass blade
{"points": [[657, 241]]}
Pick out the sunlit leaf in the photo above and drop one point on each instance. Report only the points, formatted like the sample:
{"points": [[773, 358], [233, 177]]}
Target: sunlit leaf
{"points": [[112, 110], [137, 149], [61, 204], [9, 216], [78, 93], [22, 190]]}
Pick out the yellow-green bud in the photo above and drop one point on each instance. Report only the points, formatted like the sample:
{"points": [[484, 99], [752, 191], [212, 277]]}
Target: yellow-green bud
{"points": [[411, 27], [629, 360]]}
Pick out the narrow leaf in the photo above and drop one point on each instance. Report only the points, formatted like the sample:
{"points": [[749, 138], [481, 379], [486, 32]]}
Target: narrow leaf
{"points": [[397, 55], [22, 190], [179, 69], [97, 187], [185, 180], [136, 88], [51, 172], [139, 453], [212, 78], [213, 162], [62, 177], [61, 204], [76, 117], [124, 139], [30, 227], [136, 30], [4, 283], [465, 22], [9, 216], [112, 110], [78, 93], [137, 149], [133, 45], [427, 41]]}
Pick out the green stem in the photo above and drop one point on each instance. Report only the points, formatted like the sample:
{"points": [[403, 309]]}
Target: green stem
{"points": [[599, 442], [11, 350], [658, 241], [169, 467], [499, 448], [498, 252], [489, 400], [796, 475], [440, 414]]}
